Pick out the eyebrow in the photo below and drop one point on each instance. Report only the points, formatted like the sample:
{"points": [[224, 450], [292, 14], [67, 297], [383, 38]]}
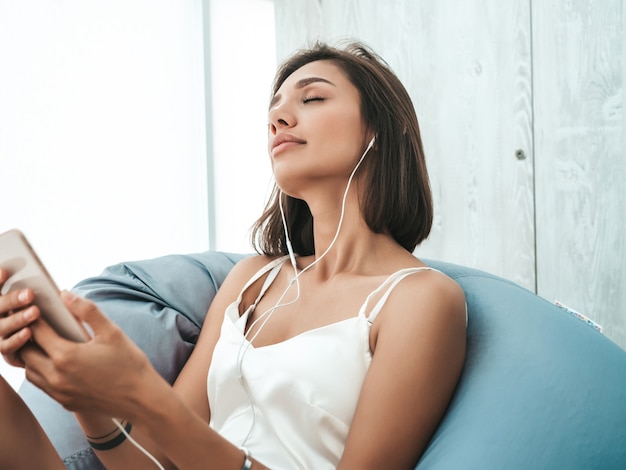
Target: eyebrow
{"points": [[301, 84]]}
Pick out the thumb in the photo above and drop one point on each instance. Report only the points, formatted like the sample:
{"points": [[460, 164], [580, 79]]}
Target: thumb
{"points": [[86, 311]]}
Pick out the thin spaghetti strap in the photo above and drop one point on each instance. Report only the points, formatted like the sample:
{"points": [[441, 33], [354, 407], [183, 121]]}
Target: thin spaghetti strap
{"points": [[273, 266], [390, 283], [268, 282]]}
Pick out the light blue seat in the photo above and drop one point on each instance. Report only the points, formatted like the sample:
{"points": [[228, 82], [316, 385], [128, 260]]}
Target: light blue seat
{"points": [[540, 388]]}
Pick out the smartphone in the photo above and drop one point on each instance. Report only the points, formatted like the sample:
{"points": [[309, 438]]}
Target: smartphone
{"points": [[25, 270]]}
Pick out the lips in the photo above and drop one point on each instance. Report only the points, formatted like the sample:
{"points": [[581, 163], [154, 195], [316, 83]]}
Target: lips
{"points": [[284, 141]]}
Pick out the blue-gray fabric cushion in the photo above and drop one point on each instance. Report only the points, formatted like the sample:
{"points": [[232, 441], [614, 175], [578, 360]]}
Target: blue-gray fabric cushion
{"points": [[160, 303], [540, 389]]}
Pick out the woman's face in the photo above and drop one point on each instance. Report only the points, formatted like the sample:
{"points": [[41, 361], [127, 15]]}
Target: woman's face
{"points": [[316, 131]]}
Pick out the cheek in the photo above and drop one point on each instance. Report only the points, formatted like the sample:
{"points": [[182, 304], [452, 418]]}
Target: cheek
{"points": [[344, 129]]}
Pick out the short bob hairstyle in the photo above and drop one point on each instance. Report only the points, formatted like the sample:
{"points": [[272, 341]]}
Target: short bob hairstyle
{"points": [[395, 195]]}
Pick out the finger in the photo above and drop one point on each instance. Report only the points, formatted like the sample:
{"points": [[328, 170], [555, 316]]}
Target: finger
{"points": [[10, 345], [14, 360], [86, 311], [44, 372], [34, 360], [41, 370], [30, 353], [15, 300], [15, 333], [14, 323], [47, 339]]}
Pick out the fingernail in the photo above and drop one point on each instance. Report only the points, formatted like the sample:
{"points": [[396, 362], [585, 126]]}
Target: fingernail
{"points": [[29, 314], [23, 296]]}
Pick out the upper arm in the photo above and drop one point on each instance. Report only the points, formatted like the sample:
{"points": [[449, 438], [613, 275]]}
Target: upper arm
{"points": [[418, 358], [191, 383]]}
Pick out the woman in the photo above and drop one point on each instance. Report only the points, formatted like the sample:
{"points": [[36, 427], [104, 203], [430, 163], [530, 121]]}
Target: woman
{"points": [[342, 356]]}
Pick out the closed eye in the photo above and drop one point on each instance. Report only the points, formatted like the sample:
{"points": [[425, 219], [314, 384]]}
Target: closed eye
{"points": [[308, 99]]}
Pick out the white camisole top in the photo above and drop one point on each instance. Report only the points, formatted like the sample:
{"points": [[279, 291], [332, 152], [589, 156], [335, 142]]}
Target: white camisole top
{"points": [[291, 403]]}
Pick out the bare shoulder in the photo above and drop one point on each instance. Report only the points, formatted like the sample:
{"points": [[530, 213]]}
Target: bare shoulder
{"points": [[435, 290], [243, 271], [418, 345], [426, 301], [192, 380], [191, 383]]}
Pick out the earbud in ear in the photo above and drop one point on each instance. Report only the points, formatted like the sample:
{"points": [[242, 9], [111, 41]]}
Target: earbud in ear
{"points": [[369, 146]]}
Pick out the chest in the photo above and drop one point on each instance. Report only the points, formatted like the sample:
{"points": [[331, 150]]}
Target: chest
{"points": [[285, 311], [311, 380]]}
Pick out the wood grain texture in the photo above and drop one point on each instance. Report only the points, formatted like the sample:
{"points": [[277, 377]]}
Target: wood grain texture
{"points": [[467, 68], [580, 134]]}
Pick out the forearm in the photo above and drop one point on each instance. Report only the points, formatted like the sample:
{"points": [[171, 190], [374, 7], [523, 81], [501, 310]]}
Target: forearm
{"points": [[169, 430], [184, 437], [101, 431], [172, 424]]}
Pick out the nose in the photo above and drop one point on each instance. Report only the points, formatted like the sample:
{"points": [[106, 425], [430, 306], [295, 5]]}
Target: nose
{"points": [[281, 117]]}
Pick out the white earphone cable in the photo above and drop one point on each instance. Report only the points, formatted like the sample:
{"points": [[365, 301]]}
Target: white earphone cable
{"points": [[265, 316], [137, 445], [343, 209], [297, 273], [268, 313]]}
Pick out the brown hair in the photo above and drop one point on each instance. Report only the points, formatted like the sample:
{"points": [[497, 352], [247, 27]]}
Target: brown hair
{"points": [[396, 198]]}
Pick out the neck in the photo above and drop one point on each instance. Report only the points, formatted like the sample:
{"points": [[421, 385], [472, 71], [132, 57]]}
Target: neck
{"points": [[341, 248]]}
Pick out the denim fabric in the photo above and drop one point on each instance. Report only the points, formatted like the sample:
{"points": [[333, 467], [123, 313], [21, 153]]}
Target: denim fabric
{"points": [[83, 460]]}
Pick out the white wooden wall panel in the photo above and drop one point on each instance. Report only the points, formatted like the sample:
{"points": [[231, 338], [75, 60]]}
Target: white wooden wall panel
{"points": [[467, 68], [491, 77], [580, 134]]}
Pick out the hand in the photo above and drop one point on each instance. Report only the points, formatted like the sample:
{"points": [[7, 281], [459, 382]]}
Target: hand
{"points": [[104, 375], [16, 316]]}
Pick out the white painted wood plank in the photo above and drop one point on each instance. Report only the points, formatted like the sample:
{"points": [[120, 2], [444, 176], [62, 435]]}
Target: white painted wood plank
{"points": [[467, 67], [471, 82], [580, 63]]}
